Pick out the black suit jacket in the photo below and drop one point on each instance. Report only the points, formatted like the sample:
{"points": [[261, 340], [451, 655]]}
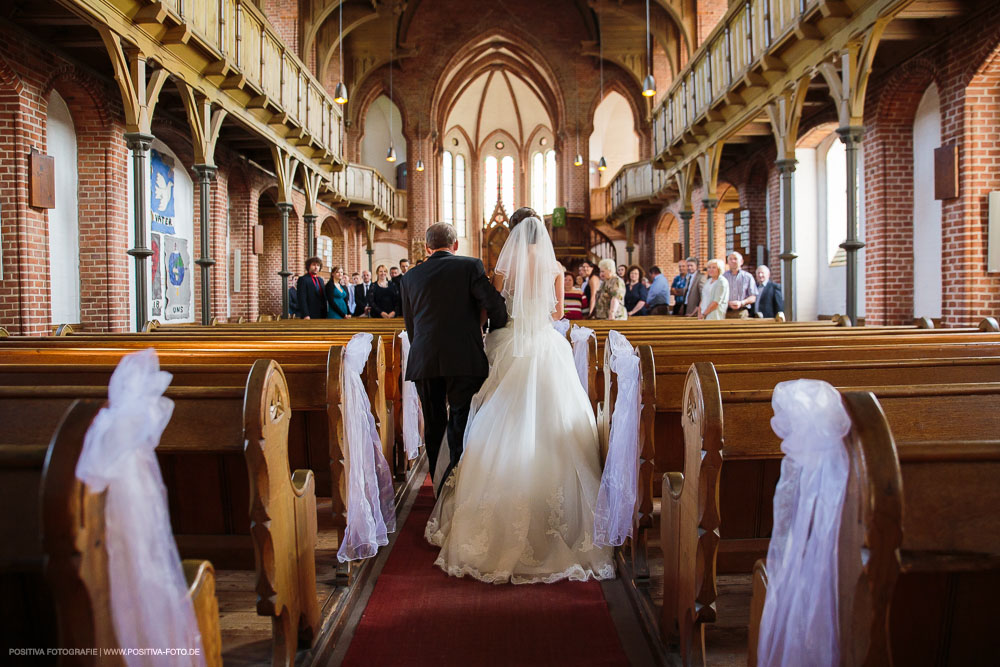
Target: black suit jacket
{"points": [[311, 301], [770, 301], [360, 298], [442, 299]]}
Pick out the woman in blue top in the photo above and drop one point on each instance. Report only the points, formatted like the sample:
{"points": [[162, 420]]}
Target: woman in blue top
{"points": [[336, 296]]}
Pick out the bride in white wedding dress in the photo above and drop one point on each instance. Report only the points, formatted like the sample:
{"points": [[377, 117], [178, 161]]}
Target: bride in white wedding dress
{"points": [[519, 506]]}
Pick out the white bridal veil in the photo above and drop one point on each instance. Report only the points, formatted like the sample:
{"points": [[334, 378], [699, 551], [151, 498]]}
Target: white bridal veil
{"points": [[529, 266]]}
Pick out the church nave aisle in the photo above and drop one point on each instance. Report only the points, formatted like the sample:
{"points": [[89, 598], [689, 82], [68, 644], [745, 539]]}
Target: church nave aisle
{"points": [[417, 615]]}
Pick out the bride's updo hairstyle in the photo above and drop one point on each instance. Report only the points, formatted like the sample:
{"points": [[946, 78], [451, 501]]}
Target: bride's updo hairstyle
{"points": [[520, 215]]}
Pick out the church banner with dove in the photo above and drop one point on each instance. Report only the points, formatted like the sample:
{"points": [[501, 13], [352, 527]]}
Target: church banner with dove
{"points": [[161, 185], [171, 293]]}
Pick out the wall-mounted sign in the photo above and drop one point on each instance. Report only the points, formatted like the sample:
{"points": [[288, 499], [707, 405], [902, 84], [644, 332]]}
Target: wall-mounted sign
{"points": [[559, 216], [42, 180]]}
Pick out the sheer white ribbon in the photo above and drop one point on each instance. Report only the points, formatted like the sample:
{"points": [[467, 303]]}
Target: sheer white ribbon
{"points": [[370, 512], [619, 483], [800, 625], [581, 351], [562, 326], [412, 414], [148, 590]]}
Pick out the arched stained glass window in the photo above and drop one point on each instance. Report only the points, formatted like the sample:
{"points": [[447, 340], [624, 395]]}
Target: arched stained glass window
{"points": [[490, 176], [550, 182], [447, 193], [507, 183], [537, 182], [460, 195]]}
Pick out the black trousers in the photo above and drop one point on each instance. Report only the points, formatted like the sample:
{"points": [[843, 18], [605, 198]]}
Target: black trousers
{"points": [[437, 395]]}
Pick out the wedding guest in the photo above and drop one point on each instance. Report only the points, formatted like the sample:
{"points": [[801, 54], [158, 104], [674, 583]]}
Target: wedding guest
{"points": [[310, 294], [572, 298], [636, 292], [610, 301], [696, 282], [349, 286], [623, 272], [361, 291], [715, 293], [658, 296], [770, 301], [679, 286], [742, 288], [591, 283], [404, 266], [293, 295], [336, 296], [383, 299], [578, 282]]}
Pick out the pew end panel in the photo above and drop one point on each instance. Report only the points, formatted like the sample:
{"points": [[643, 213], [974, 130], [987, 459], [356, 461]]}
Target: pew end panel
{"points": [[284, 549], [758, 593], [73, 537], [647, 448], [200, 577], [689, 518], [595, 389]]}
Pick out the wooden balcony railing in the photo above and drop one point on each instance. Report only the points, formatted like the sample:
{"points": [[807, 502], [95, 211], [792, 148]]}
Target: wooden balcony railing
{"points": [[635, 183], [600, 203], [228, 50], [365, 189]]}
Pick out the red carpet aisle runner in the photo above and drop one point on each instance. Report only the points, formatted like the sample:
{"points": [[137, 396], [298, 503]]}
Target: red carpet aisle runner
{"points": [[417, 615]]}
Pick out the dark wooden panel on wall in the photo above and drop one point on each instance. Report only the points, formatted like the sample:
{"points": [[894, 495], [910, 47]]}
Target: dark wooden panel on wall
{"points": [[258, 239], [946, 172], [42, 180], [678, 252]]}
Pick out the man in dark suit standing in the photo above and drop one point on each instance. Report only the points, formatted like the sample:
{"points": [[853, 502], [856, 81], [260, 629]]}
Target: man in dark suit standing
{"points": [[293, 295], [310, 297], [443, 299], [692, 296], [770, 302], [361, 294]]}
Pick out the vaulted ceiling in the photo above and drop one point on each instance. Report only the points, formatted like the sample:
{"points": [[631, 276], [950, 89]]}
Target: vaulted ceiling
{"points": [[370, 28]]}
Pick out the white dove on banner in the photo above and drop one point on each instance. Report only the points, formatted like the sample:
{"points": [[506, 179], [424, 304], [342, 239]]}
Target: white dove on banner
{"points": [[162, 192]]}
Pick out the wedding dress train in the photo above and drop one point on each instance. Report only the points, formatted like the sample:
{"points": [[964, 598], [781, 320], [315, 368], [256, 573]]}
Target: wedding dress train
{"points": [[519, 506]]}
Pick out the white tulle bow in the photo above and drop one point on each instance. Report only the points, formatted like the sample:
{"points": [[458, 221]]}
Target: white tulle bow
{"points": [[370, 512], [148, 591], [799, 625], [580, 337], [613, 515], [412, 414], [562, 326]]}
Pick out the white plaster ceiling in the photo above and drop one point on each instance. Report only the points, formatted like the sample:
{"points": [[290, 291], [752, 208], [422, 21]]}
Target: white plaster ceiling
{"points": [[498, 100]]}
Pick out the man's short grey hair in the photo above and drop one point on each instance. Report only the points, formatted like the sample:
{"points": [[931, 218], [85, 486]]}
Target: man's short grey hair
{"points": [[737, 254], [440, 235], [765, 269], [693, 260]]}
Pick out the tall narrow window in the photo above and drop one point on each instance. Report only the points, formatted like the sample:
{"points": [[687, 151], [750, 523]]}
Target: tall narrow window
{"points": [[460, 195], [836, 200], [489, 186], [550, 181], [507, 183], [447, 194], [537, 182]]}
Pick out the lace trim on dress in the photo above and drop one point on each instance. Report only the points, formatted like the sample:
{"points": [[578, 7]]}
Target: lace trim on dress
{"points": [[575, 572]]}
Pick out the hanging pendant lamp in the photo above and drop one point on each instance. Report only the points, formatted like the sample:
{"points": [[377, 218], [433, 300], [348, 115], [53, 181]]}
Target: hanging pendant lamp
{"points": [[649, 83], [602, 165], [391, 155], [340, 94], [578, 160]]}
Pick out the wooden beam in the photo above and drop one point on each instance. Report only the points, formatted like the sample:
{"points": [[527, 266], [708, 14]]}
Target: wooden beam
{"points": [[933, 9]]}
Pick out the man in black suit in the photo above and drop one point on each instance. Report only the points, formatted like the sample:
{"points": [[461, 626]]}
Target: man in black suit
{"points": [[311, 299], [770, 302], [443, 299], [361, 294], [293, 295]]}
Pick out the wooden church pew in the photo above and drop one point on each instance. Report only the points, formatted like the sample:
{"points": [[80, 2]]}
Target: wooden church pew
{"points": [[701, 502], [54, 559], [223, 446], [313, 371], [925, 590]]}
